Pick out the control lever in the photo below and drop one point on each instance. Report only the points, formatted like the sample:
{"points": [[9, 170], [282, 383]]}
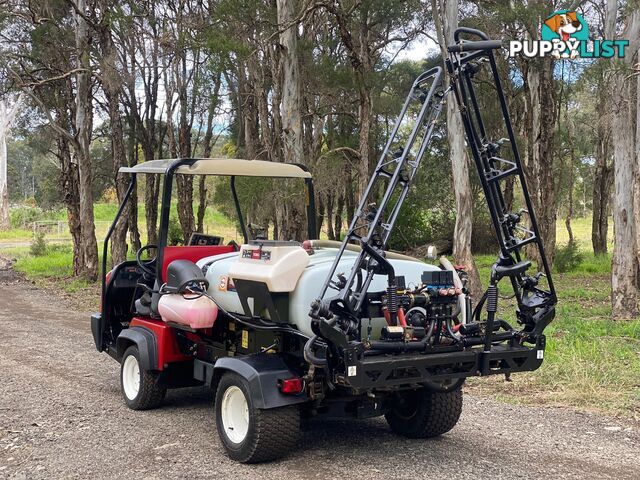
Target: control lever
{"points": [[531, 281], [514, 218]]}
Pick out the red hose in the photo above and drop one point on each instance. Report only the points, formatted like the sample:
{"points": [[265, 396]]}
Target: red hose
{"points": [[401, 319]]}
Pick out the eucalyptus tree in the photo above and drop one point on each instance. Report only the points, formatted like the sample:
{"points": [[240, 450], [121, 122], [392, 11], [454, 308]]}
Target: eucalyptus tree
{"points": [[49, 60], [625, 136]]}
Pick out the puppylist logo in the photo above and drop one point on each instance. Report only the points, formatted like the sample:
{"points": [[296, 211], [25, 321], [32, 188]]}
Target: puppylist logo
{"points": [[565, 34]]}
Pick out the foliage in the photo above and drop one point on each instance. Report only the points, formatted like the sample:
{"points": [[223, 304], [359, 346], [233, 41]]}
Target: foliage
{"points": [[591, 361], [174, 235], [109, 195], [568, 257], [23, 216], [38, 246]]}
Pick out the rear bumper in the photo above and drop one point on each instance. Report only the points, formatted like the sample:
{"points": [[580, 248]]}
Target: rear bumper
{"points": [[393, 371]]}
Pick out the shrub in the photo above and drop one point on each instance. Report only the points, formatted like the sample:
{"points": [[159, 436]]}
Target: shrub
{"points": [[38, 246], [568, 258], [174, 234], [22, 216]]}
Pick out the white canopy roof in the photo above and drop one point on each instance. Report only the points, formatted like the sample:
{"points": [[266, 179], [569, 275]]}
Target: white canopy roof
{"points": [[224, 167]]}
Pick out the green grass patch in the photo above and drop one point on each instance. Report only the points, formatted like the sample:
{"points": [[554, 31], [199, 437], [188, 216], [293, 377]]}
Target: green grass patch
{"points": [[58, 262], [15, 234], [591, 362]]}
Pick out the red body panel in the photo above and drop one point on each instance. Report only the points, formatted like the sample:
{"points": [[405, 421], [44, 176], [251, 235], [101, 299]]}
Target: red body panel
{"points": [[193, 253], [168, 351]]}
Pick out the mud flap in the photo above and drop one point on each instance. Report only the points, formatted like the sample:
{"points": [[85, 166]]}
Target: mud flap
{"points": [[262, 372], [146, 342], [97, 326]]}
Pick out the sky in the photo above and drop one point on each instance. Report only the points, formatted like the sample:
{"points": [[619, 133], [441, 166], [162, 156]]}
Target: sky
{"points": [[418, 50]]}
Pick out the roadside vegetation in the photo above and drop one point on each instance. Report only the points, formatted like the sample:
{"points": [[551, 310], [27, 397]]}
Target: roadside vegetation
{"points": [[591, 361]]}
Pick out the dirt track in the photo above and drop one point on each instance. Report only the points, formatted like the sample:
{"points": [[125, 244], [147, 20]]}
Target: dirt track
{"points": [[61, 416]]}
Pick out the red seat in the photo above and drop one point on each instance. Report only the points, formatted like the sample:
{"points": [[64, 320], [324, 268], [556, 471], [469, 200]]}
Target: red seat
{"points": [[193, 253]]}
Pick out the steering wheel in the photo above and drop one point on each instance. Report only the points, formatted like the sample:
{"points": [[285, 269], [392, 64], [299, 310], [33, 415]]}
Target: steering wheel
{"points": [[147, 266]]}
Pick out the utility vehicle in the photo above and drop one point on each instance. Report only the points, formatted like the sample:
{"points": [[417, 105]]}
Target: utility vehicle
{"points": [[281, 330]]}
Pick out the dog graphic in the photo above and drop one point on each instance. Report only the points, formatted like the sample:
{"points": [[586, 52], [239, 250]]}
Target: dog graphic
{"points": [[565, 25]]}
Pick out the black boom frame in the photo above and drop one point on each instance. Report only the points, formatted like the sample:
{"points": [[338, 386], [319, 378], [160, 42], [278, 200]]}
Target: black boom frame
{"points": [[373, 221], [336, 320], [536, 305]]}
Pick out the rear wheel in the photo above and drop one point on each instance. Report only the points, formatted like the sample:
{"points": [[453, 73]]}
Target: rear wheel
{"points": [[423, 413], [250, 434], [139, 387]]}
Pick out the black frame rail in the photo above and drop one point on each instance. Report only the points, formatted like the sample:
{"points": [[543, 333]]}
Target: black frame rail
{"points": [[373, 221], [535, 304]]}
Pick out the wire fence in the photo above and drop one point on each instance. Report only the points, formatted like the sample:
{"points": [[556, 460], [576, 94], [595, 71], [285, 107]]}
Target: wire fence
{"points": [[58, 230]]}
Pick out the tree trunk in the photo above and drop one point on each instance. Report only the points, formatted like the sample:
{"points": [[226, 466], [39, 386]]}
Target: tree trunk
{"points": [[6, 117], [151, 193], [202, 203], [624, 275], [83, 127], [603, 177], [4, 192], [364, 115], [459, 162], [290, 210], [603, 174], [206, 152], [567, 220], [249, 112], [134, 232], [337, 221], [69, 185], [112, 85], [624, 278], [602, 180], [184, 182], [329, 214], [119, 237]]}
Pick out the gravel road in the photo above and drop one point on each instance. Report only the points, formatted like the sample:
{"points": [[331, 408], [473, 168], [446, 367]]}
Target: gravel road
{"points": [[61, 416]]}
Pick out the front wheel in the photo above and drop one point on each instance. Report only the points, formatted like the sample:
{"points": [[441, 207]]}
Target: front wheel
{"points": [[139, 387], [423, 413], [249, 434]]}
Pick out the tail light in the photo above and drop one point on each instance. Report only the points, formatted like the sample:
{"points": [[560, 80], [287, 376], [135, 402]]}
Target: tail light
{"points": [[107, 277], [291, 386]]}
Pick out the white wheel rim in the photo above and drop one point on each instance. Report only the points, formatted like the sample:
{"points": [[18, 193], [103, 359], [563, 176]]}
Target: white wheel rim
{"points": [[131, 377], [235, 414]]}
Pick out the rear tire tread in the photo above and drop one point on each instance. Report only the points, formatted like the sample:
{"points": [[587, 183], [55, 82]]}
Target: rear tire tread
{"points": [[273, 433], [438, 413], [277, 432], [150, 394]]}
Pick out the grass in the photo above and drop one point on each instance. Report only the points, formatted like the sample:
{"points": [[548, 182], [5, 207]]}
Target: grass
{"points": [[591, 361], [581, 228], [15, 234]]}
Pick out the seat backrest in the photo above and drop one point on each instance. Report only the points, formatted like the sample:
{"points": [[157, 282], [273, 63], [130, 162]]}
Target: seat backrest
{"points": [[193, 253]]}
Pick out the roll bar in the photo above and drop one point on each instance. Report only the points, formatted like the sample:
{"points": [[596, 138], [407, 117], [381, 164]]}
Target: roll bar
{"points": [[170, 171]]}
